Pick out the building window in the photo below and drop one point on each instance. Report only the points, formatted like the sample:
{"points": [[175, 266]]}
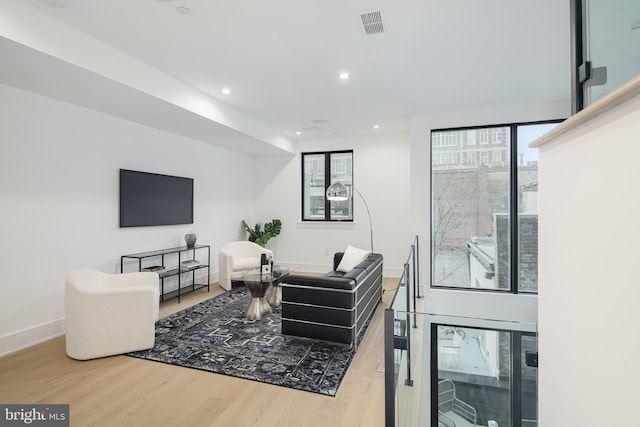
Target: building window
{"points": [[496, 156], [497, 136], [483, 136], [319, 171], [445, 158], [484, 218], [472, 158], [446, 139], [484, 157]]}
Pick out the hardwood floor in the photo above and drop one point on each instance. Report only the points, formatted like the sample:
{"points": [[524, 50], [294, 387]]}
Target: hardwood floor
{"points": [[125, 391]]}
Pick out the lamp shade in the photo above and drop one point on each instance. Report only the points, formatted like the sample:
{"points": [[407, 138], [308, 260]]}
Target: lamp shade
{"points": [[337, 192]]}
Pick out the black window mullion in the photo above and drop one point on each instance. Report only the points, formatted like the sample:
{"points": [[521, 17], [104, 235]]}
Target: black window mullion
{"points": [[516, 379], [434, 374], [577, 54], [513, 188], [327, 183]]}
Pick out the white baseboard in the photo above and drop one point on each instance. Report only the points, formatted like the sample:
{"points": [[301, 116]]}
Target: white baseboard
{"points": [[29, 337]]}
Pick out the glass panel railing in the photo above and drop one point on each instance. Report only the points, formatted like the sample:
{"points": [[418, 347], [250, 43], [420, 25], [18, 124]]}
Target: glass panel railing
{"points": [[397, 321], [455, 371], [464, 372], [611, 35]]}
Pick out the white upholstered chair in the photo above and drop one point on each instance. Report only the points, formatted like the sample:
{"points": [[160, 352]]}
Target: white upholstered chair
{"points": [[108, 314], [236, 257]]}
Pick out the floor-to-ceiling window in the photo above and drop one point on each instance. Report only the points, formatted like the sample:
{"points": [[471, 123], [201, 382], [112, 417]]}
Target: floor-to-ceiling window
{"points": [[484, 222]]}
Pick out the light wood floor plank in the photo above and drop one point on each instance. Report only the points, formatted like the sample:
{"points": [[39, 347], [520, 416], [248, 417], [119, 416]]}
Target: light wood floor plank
{"points": [[125, 391]]}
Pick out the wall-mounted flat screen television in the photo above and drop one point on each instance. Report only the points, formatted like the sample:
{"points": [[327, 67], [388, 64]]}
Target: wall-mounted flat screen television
{"points": [[153, 199]]}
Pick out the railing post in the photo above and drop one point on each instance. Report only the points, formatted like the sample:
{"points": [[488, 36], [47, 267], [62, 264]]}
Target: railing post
{"points": [[408, 381], [389, 369], [416, 267]]}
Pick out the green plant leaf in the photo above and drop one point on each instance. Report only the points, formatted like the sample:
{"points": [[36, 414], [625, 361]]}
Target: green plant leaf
{"points": [[274, 227], [260, 237]]}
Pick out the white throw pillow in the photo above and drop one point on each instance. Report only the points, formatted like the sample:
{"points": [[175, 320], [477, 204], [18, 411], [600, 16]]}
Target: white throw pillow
{"points": [[352, 257]]}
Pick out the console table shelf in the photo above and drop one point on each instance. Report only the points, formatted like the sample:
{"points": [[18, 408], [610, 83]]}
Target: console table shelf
{"points": [[182, 253]]}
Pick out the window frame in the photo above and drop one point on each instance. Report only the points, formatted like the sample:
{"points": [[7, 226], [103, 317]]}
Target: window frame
{"points": [[513, 201], [515, 367], [328, 169]]}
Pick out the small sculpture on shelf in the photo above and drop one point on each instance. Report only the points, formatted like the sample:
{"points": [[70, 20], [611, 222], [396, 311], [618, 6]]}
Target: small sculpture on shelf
{"points": [[190, 239]]}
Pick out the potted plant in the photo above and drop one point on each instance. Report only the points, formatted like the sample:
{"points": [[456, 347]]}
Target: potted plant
{"points": [[261, 236]]}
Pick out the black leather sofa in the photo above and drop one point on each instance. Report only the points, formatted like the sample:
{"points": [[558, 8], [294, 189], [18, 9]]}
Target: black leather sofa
{"points": [[333, 307]]}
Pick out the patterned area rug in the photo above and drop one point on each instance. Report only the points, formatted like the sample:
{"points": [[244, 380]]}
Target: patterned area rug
{"points": [[214, 336]]}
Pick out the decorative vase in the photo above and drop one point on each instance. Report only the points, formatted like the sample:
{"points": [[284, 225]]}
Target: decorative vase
{"points": [[190, 239]]}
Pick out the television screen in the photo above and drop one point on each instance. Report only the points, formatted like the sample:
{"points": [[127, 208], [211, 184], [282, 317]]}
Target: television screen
{"points": [[153, 199]]}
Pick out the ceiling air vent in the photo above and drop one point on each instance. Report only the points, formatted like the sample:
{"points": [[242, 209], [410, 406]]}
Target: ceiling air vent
{"points": [[372, 22]]}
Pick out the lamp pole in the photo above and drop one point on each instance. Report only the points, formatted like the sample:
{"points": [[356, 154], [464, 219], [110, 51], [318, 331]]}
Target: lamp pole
{"points": [[338, 192], [368, 213]]}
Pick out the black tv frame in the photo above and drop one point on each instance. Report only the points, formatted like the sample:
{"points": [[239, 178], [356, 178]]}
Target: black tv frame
{"points": [[152, 199]]}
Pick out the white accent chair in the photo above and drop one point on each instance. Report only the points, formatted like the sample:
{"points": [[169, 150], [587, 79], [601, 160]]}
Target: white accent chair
{"points": [[108, 314], [236, 257]]}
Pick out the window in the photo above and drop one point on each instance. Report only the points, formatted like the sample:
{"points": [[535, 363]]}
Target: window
{"points": [[484, 218], [319, 171], [483, 136], [496, 156], [471, 138], [496, 136], [483, 377], [472, 158], [446, 158], [449, 139], [484, 157]]}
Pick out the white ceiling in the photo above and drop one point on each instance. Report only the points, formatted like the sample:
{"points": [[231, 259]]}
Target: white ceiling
{"points": [[281, 58]]}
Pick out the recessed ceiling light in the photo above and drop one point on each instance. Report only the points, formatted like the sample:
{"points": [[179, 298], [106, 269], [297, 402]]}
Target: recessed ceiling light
{"points": [[298, 133], [183, 10], [343, 76], [226, 91], [376, 126]]}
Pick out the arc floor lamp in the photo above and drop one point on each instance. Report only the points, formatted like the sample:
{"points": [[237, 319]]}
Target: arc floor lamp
{"points": [[338, 192]]}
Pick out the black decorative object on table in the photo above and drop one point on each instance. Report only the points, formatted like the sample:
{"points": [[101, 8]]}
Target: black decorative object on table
{"points": [[214, 336], [190, 239]]}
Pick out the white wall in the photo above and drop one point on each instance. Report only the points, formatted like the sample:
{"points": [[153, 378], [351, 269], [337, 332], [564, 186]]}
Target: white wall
{"points": [[381, 173], [59, 202], [588, 278]]}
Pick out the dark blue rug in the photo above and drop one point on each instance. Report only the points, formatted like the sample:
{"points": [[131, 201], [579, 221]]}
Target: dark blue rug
{"points": [[214, 336]]}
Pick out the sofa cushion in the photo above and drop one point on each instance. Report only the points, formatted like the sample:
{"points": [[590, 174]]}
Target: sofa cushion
{"points": [[352, 257], [357, 274], [370, 262], [334, 274]]}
